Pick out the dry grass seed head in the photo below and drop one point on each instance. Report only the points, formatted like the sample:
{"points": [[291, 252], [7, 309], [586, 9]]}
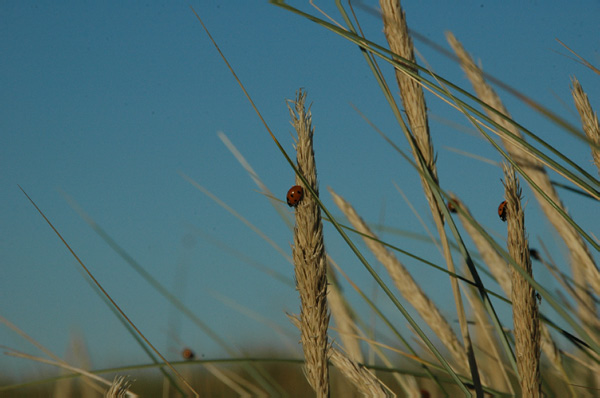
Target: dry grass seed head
{"points": [[525, 306], [396, 32], [407, 286], [589, 119], [365, 382], [411, 92], [309, 257]]}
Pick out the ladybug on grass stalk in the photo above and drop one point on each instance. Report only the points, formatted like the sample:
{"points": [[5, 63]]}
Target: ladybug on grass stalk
{"points": [[502, 211], [295, 195]]}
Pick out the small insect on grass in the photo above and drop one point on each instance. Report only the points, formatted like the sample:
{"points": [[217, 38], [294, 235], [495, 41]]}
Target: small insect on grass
{"points": [[188, 354], [452, 206], [295, 195], [502, 211]]}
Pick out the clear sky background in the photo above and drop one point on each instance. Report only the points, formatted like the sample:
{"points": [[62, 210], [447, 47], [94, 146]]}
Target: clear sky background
{"points": [[108, 102]]}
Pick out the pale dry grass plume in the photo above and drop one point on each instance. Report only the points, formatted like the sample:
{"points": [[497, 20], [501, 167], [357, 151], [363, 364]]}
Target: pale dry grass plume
{"points": [[310, 264], [501, 271], [407, 286], [119, 388], [589, 119], [413, 99], [411, 93], [525, 307], [366, 383]]}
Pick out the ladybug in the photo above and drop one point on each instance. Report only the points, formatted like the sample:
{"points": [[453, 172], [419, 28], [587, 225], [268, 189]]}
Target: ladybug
{"points": [[188, 354], [452, 206], [502, 211], [534, 254], [295, 195]]}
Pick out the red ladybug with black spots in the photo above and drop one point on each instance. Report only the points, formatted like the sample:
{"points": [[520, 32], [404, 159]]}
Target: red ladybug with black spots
{"points": [[502, 211], [295, 195]]}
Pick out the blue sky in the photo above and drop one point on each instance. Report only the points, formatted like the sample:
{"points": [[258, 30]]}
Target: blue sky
{"points": [[107, 103]]}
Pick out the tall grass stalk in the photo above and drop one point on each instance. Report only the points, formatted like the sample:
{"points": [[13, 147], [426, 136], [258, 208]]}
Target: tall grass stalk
{"points": [[525, 308], [407, 286], [591, 127], [487, 345], [502, 273], [589, 119], [413, 99], [310, 264]]}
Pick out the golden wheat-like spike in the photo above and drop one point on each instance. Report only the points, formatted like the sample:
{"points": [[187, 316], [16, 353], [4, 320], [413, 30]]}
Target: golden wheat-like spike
{"points": [[501, 271], [407, 286], [309, 256], [589, 118], [525, 307], [413, 99], [411, 92]]}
